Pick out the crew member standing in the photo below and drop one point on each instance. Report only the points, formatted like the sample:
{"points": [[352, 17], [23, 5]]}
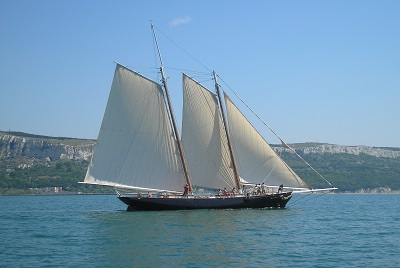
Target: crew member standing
{"points": [[186, 190], [280, 189]]}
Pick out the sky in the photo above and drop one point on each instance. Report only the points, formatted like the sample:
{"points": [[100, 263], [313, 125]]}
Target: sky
{"points": [[314, 71]]}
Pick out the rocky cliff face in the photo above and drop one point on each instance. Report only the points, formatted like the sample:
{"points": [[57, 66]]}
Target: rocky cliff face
{"points": [[340, 149], [45, 149], [356, 150], [59, 149]]}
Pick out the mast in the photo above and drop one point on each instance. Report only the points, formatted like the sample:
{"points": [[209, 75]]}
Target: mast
{"points": [[235, 170], [171, 113]]}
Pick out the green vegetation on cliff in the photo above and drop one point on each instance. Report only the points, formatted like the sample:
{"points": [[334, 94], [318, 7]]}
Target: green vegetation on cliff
{"points": [[24, 171], [348, 172], [345, 171], [17, 178]]}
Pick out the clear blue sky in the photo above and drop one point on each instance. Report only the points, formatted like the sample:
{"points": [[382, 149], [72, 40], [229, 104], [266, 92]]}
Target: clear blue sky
{"points": [[315, 71]]}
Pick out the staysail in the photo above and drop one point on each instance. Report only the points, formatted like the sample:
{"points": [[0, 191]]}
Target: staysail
{"points": [[257, 161], [204, 139], [136, 147]]}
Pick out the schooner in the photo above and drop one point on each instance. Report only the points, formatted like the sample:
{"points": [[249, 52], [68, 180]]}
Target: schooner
{"points": [[139, 148]]}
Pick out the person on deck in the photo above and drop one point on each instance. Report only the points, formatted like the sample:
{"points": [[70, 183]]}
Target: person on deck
{"points": [[263, 188], [233, 191], [186, 190], [255, 189], [280, 189], [219, 192], [148, 194], [226, 192]]}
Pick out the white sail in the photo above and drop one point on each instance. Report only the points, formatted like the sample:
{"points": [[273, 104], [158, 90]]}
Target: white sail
{"points": [[256, 160], [136, 146], [203, 138]]}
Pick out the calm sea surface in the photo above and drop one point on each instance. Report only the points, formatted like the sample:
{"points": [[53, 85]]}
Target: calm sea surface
{"points": [[338, 230]]}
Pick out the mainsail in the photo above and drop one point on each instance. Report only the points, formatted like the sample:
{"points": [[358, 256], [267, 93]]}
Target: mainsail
{"points": [[204, 139], [136, 147], [257, 161]]}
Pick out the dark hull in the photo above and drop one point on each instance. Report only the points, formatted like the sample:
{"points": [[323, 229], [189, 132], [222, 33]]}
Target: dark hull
{"points": [[190, 203]]}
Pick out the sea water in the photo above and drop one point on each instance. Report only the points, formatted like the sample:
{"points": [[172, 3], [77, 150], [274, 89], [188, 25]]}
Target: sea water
{"points": [[335, 230]]}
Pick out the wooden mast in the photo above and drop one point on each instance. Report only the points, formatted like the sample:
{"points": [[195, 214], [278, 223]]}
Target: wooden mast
{"points": [[235, 170], [171, 113]]}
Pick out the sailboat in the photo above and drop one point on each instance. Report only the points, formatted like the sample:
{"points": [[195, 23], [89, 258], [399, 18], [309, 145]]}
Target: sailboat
{"points": [[219, 162]]}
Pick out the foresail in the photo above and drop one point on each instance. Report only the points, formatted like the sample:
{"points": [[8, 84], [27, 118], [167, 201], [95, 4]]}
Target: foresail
{"points": [[256, 160], [203, 138], [136, 146]]}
